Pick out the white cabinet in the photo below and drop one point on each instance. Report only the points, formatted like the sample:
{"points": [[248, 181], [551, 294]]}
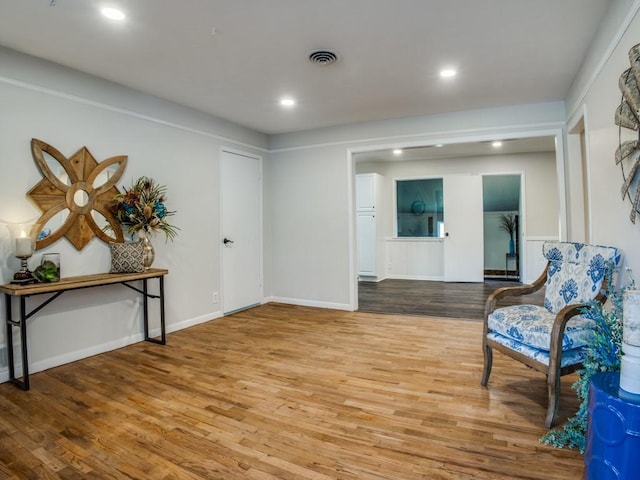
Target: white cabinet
{"points": [[367, 244], [366, 189], [370, 239]]}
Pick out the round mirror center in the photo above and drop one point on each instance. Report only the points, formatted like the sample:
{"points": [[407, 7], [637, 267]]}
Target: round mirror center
{"points": [[81, 198]]}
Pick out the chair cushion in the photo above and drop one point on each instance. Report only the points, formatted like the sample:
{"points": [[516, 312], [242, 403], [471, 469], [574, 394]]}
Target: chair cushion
{"points": [[531, 325], [575, 272], [569, 357]]}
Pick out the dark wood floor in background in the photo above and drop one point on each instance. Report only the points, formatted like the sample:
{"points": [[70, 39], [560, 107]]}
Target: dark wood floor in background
{"points": [[433, 299]]}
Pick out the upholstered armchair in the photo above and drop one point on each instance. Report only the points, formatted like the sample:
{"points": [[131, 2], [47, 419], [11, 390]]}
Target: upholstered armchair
{"points": [[550, 338]]}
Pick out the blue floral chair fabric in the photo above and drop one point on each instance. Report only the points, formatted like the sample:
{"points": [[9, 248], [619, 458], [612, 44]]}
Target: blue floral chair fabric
{"points": [[550, 338]]}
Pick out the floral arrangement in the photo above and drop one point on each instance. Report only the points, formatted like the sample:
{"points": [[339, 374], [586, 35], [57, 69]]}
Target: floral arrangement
{"points": [[142, 208]]}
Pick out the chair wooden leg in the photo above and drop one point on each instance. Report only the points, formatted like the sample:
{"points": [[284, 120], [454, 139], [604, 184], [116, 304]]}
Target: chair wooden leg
{"points": [[553, 385], [488, 362]]}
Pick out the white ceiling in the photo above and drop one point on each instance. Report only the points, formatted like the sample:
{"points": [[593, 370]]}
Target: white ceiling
{"points": [[507, 52]]}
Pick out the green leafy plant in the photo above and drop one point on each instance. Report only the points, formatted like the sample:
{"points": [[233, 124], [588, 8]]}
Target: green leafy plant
{"points": [[47, 272], [602, 355]]}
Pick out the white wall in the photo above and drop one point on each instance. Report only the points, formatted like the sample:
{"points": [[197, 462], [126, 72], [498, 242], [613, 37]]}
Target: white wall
{"points": [[598, 94], [175, 146], [307, 207]]}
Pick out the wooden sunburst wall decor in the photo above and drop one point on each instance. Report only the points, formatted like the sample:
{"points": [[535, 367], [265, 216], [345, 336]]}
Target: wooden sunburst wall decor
{"points": [[627, 117], [82, 188]]}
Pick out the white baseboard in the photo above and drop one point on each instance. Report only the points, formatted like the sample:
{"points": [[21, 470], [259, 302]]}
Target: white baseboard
{"points": [[309, 303], [416, 277], [174, 327], [364, 278]]}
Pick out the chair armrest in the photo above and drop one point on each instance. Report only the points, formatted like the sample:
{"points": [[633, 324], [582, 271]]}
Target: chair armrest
{"points": [[559, 325], [503, 292]]}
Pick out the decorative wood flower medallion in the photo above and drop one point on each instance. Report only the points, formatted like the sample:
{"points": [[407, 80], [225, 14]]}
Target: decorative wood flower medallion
{"points": [[627, 118], [74, 196]]}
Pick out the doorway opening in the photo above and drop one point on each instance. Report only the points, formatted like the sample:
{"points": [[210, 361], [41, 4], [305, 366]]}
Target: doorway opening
{"points": [[501, 216], [529, 163]]}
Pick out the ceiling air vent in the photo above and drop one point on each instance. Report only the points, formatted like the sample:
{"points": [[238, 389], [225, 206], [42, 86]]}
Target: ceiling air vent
{"points": [[323, 57]]}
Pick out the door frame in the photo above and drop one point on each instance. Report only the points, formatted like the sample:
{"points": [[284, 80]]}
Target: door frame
{"points": [[260, 160], [422, 140]]}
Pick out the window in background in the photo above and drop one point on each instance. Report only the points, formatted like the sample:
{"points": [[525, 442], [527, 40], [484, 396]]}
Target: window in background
{"points": [[419, 208]]}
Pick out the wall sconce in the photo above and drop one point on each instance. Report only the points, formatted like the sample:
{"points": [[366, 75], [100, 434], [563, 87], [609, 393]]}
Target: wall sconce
{"points": [[24, 246]]}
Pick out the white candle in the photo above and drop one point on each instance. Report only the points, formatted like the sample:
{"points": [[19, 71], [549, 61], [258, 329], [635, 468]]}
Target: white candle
{"points": [[24, 247]]}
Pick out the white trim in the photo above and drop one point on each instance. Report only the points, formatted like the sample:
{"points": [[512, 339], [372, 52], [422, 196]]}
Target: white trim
{"points": [[587, 161], [352, 233], [190, 322], [309, 303], [615, 41], [434, 138], [581, 118], [124, 111], [562, 185], [545, 238], [416, 277]]}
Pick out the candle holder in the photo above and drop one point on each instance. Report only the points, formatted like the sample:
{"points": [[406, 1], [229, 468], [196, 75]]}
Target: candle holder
{"points": [[23, 275], [24, 247]]}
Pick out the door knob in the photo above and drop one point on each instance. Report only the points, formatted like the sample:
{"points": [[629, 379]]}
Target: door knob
{"points": [[226, 241]]}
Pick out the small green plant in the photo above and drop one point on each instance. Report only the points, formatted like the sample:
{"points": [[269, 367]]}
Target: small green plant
{"points": [[47, 272]]}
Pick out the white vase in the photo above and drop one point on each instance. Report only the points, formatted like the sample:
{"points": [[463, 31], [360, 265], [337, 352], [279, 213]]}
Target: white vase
{"points": [[148, 253]]}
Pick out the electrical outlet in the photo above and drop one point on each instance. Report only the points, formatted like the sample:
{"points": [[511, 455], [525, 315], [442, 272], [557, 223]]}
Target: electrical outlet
{"points": [[215, 297]]}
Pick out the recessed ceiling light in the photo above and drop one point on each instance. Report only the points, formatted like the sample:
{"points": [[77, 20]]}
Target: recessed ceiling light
{"points": [[496, 144], [448, 73], [439, 145], [113, 13], [287, 102], [397, 151]]}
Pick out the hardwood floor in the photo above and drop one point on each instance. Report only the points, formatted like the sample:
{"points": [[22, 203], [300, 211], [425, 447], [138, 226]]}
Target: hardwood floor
{"points": [[433, 299], [285, 392]]}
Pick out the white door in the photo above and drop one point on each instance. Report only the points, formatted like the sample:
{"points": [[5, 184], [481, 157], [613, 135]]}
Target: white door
{"points": [[464, 228], [240, 231]]}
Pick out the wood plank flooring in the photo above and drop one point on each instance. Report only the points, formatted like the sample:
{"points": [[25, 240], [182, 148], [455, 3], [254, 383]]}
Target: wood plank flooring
{"points": [[286, 392], [434, 299]]}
